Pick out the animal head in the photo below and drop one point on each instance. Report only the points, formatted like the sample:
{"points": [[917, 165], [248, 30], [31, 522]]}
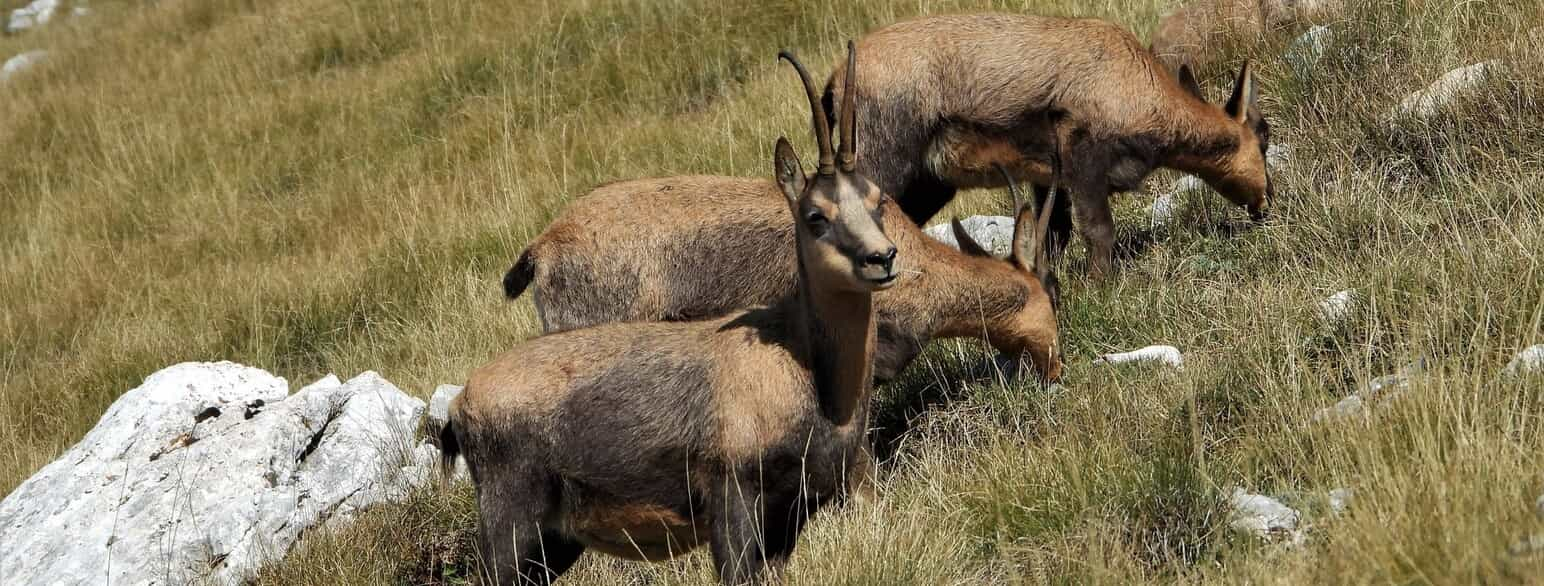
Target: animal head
{"points": [[836, 210], [1030, 330], [1245, 179]]}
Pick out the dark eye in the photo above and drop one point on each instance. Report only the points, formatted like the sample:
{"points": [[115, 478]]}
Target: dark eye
{"points": [[816, 222]]}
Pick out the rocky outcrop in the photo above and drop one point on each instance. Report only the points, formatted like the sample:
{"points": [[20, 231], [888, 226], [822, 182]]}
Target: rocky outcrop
{"points": [[207, 470]]}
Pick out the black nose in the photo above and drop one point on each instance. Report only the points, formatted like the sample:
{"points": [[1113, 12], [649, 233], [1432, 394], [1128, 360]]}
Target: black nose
{"points": [[884, 259]]}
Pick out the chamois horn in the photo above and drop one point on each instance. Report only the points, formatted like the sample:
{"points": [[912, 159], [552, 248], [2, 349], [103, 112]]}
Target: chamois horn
{"points": [[822, 127]]}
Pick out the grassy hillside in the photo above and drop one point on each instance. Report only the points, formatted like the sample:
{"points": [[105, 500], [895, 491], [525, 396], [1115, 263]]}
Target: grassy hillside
{"points": [[333, 186]]}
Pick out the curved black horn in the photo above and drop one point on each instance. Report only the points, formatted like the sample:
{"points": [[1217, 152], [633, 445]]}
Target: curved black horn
{"points": [[822, 127], [848, 157], [1013, 188]]}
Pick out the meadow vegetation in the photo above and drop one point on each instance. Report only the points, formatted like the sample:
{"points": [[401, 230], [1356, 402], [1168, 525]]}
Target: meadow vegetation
{"points": [[318, 186]]}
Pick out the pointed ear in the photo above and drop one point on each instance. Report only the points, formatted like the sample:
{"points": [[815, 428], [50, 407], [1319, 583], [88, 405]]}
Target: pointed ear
{"points": [[789, 171], [968, 245], [1245, 92], [1187, 80]]}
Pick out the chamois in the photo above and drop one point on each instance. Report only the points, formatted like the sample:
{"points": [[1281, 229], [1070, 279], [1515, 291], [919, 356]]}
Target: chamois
{"points": [[715, 245], [1190, 35], [949, 96], [643, 439]]}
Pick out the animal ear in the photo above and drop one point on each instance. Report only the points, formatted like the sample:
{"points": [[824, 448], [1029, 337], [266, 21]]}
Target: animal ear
{"points": [[1245, 92], [968, 245], [1187, 80], [789, 171], [1023, 250]]}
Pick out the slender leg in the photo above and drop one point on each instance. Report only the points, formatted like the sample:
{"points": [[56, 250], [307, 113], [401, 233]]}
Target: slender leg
{"points": [[1098, 228], [515, 547], [1061, 220], [924, 197], [738, 541], [860, 478]]}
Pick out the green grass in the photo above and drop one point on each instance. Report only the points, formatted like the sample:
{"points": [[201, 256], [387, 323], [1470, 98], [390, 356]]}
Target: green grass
{"points": [[316, 187]]}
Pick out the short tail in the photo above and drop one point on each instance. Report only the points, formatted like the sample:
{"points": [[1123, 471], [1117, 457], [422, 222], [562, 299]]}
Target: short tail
{"points": [[450, 449], [519, 276]]}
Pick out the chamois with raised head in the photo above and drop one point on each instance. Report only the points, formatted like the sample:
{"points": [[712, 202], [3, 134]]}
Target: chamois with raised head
{"points": [[642, 440], [947, 97], [715, 245]]}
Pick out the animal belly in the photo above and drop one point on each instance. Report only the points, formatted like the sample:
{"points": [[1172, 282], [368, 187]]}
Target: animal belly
{"points": [[637, 532], [969, 158]]}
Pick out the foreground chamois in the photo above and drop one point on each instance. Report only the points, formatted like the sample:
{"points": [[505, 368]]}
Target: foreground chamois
{"points": [[642, 440], [682, 248], [946, 97]]}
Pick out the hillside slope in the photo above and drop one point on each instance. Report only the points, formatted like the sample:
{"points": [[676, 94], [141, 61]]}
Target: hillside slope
{"points": [[315, 187]]}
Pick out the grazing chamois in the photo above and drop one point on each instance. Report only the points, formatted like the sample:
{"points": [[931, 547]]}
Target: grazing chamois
{"points": [[947, 97], [1192, 34], [715, 245], [642, 440]]}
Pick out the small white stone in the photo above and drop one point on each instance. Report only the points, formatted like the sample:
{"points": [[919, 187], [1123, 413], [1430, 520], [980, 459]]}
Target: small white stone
{"points": [[1165, 354], [1529, 360], [19, 63], [1427, 102], [1338, 307], [1340, 500], [1264, 518], [32, 15], [1162, 210]]}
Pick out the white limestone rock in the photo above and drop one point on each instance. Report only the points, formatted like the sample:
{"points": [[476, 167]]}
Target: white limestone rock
{"points": [[36, 14], [205, 471], [20, 63], [1528, 361], [1264, 518], [1167, 355], [439, 405], [994, 233], [1432, 99]]}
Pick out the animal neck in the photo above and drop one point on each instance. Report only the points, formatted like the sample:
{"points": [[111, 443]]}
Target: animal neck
{"points": [[1205, 142], [975, 297], [838, 334]]}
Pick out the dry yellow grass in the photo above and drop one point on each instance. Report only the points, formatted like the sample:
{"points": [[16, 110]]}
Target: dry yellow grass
{"points": [[316, 187]]}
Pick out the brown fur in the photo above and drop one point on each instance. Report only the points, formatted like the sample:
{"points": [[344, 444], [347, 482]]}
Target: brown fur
{"points": [[1192, 34], [947, 97], [718, 244], [644, 439]]}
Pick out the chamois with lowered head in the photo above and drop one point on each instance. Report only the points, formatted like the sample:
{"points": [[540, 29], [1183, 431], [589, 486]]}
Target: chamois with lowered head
{"points": [[642, 440], [948, 97], [715, 245]]}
